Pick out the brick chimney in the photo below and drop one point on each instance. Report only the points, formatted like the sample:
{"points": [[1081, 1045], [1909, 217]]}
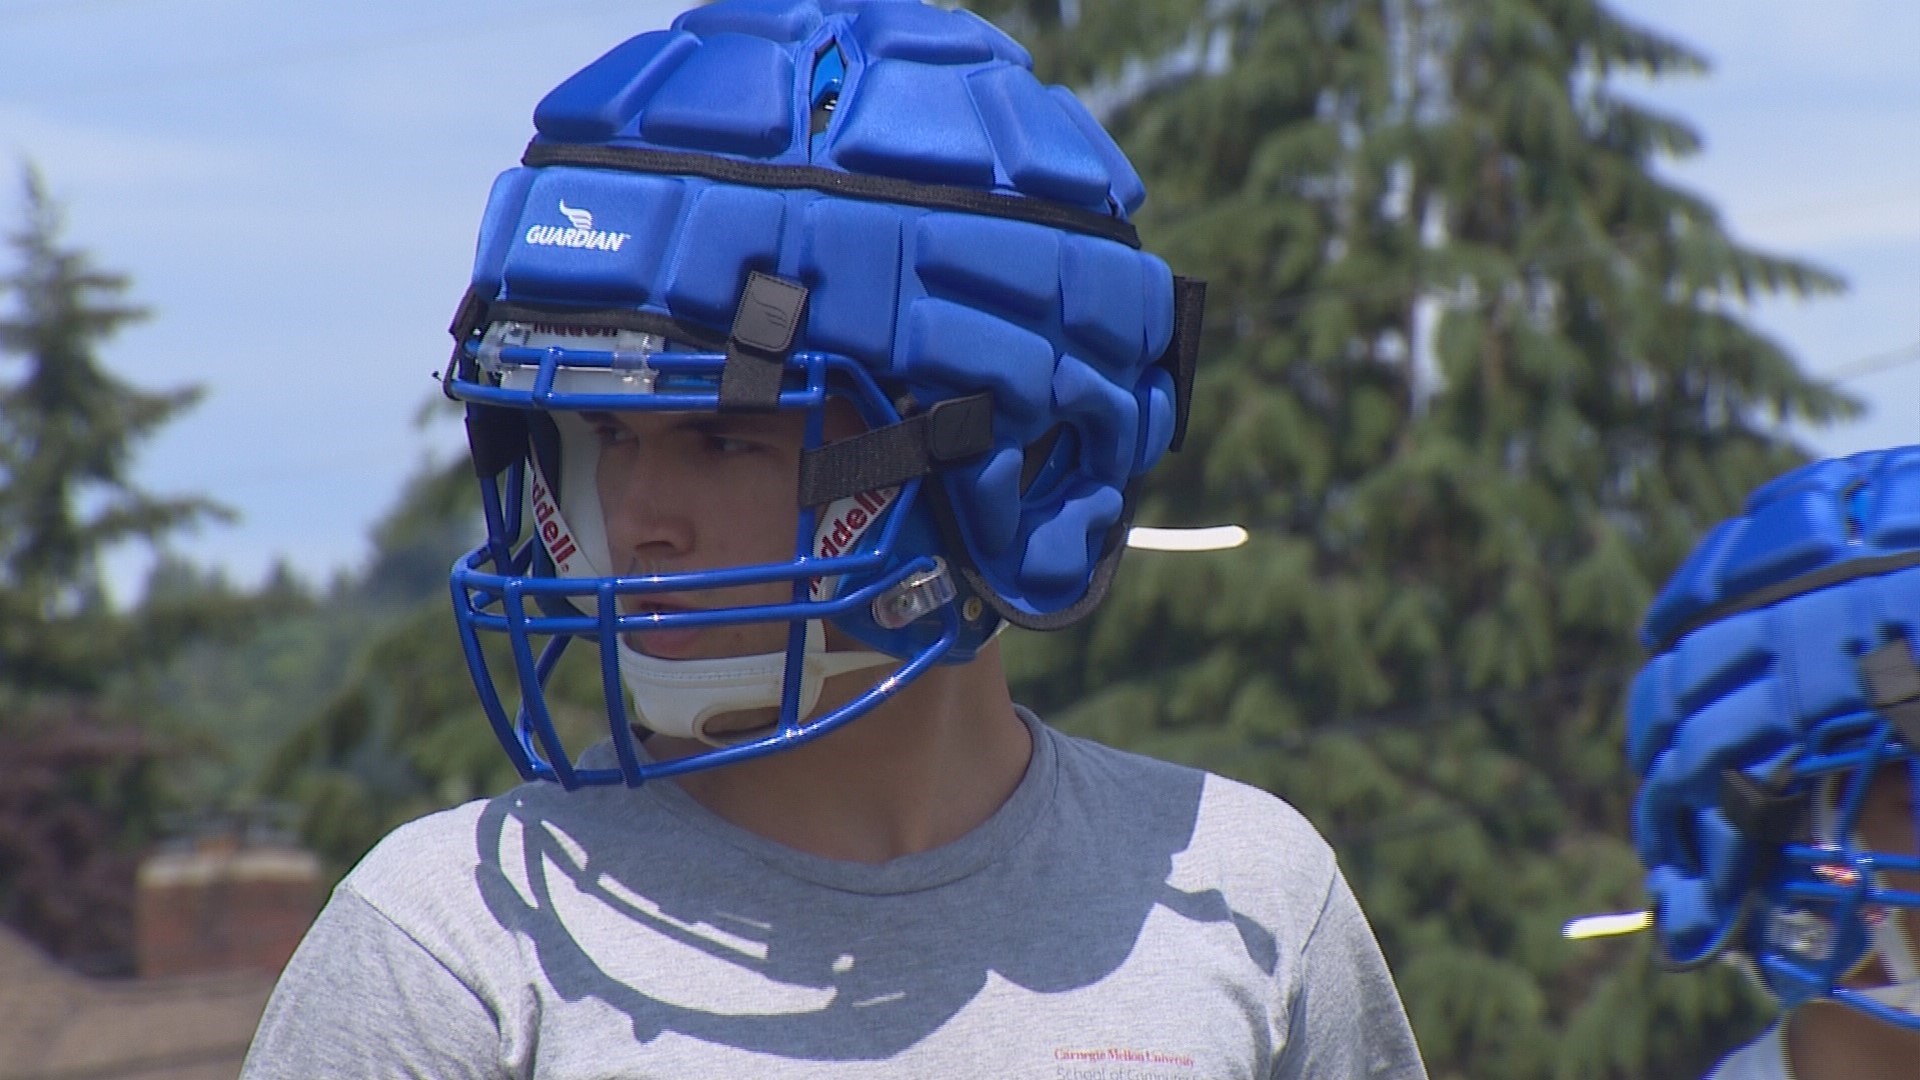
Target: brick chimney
{"points": [[223, 903]]}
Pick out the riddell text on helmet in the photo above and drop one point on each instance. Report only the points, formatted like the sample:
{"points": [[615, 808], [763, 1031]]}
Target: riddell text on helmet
{"points": [[552, 527], [844, 523]]}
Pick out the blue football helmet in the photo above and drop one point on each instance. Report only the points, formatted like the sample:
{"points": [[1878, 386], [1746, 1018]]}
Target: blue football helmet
{"points": [[1775, 736], [773, 207]]}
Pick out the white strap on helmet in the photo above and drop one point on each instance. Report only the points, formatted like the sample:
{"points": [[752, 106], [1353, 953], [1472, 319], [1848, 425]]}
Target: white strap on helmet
{"points": [[680, 698]]}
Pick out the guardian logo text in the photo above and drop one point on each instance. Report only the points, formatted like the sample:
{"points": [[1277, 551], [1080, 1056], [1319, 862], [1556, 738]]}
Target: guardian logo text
{"points": [[578, 233]]}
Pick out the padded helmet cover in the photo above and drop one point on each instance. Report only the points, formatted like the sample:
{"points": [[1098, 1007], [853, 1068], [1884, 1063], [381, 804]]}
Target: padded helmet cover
{"points": [[1762, 696], [683, 159]]}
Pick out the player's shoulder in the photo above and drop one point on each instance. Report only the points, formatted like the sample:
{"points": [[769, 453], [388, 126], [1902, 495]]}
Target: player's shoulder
{"points": [[435, 847], [436, 865], [1239, 832], [1140, 776], [1765, 1058]]}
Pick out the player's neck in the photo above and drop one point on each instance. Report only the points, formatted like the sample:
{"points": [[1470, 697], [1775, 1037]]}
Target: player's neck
{"points": [[1826, 1041], [922, 770]]}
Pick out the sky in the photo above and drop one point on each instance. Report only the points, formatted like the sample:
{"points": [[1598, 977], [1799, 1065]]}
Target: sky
{"points": [[294, 188]]}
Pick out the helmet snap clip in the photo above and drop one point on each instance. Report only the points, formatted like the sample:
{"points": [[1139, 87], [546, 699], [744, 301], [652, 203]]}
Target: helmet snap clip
{"points": [[917, 596], [501, 335], [1802, 933], [632, 352]]}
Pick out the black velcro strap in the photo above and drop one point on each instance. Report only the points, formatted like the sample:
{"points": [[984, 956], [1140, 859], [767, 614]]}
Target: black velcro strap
{"points": [[1893, 687], [1764, 813], [950, 431], [1183, 349], [1768, 814], [764, 326], [468, 317], [496, 437]]}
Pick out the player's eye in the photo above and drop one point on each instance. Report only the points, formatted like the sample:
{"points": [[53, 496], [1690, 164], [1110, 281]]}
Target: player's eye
{"points": [[728, 445], [610, 433]]}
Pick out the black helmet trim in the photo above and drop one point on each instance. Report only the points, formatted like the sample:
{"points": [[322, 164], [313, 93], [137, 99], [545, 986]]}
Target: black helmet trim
{"points": [[1182, 357], [1788, 589], [476, 313], [834, 182]]}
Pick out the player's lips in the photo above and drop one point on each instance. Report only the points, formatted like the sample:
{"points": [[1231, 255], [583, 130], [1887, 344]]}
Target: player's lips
{"points": [[666, 643]]}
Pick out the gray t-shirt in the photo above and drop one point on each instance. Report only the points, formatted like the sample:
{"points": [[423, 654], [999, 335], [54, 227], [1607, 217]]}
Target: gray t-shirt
{"points": [[1119, 918], [1765, 1058]]}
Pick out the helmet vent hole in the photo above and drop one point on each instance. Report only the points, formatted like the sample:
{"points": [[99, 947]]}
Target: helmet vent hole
{"points": [[829, 76], [1853, 506], [1039, 453], [823, 112]]}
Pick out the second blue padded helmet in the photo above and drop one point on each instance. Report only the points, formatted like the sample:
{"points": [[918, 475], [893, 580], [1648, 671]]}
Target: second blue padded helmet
{"points": [[1780, 710]]}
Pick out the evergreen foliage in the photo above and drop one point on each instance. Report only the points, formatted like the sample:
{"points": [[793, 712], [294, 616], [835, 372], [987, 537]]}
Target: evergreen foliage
{"points": [[399, 733], [78, 807], [87, 786], [68, 430], [1476, 377], [247, 665]]}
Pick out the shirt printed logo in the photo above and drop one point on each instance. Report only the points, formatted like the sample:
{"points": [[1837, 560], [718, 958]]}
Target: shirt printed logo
{"points": [[1121, 1063]]}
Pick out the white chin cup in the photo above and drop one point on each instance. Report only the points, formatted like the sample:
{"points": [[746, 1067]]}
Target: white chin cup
{"points": [[1904, 996], [679, 698], [1895, 950]]}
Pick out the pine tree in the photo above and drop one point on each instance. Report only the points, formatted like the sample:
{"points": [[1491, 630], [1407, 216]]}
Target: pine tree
{"points": [[1603, 404], [88, 786], [400, 733], [1477, 377], [68, 429]]}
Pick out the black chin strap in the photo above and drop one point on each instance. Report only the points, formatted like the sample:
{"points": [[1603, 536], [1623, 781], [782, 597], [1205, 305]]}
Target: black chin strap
{"points": [[758, 345], [949, 432]]}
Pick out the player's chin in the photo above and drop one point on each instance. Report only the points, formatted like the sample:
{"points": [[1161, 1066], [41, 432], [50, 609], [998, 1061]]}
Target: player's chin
{"points": [[743, 725]]}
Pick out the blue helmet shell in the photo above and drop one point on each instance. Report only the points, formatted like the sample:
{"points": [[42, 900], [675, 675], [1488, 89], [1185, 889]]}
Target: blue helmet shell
{"points": [[1778, 650], [1064, 328], [960, 228]]}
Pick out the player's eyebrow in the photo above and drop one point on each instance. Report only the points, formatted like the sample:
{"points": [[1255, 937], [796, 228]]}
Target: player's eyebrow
{"points": [[744, 425], [706, 423]]}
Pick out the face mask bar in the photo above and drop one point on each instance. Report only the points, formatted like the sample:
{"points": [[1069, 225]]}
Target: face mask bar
{"points": [[1835, 882], [494, 584]]}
